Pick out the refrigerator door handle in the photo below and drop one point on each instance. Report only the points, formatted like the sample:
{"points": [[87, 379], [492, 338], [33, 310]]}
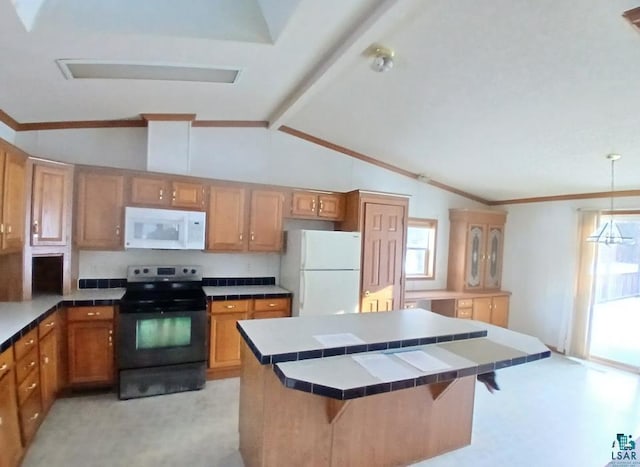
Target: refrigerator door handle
{"points": [[302, 289], [303, 242]]}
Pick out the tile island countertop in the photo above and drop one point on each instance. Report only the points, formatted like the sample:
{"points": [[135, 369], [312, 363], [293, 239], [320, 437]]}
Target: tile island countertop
{"points": [[17, 318], [302, 362]]}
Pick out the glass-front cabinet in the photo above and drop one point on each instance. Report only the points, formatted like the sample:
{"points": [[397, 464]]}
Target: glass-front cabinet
{"points": [[493, 259], [475, 250], [475, 256]]}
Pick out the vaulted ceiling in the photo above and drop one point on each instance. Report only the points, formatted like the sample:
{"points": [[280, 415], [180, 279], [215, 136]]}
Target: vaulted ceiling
{"points": [[502, 99]]}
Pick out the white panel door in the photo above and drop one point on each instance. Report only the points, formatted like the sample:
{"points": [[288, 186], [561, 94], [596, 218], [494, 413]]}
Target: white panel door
{"points": [[328, 292], [330, 250]]}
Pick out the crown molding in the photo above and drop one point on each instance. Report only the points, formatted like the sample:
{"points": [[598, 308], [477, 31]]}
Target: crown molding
{"points": [[545, 199], [169, 117], [8, 120]]}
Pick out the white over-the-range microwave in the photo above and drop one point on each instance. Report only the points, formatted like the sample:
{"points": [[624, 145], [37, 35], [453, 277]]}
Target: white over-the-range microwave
{"points": [[164, 229]]}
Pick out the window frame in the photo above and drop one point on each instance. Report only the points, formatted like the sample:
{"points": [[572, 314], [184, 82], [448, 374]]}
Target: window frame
{"points": [[430, 252]]}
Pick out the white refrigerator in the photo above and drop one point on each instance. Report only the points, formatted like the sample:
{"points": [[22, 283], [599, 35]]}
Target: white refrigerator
{"points": [[322, 269]]}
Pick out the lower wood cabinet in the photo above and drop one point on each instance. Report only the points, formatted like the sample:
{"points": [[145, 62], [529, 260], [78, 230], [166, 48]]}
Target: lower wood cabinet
{"points": [[28, 396], [49, 353], [90, 345], [225, 340], [493, 309], [10, 442]]}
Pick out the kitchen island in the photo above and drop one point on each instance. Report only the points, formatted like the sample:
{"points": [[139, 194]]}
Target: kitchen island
{"points": [[375, 389]]}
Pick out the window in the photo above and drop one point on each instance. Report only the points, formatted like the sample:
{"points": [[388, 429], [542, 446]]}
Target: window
{"points": [[421, 249]]}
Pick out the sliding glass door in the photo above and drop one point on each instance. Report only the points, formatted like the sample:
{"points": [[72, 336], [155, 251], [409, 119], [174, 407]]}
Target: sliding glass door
{"points": [[615, 318]]}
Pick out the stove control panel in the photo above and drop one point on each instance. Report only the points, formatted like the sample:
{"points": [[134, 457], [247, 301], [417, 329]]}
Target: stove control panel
{"points": [[178, 273]]}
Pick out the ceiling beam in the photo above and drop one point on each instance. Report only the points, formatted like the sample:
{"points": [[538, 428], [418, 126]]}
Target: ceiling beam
{"points": [[327, 65]]}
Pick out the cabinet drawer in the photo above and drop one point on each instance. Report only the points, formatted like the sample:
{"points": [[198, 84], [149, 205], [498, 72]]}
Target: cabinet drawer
{"points": [[465, 303], [26, 343], [230, 306], [90, 313], [26, 365], [30, 417], [464, 313], [48, 324], [29, 386], [6, 361], [268, 304]]}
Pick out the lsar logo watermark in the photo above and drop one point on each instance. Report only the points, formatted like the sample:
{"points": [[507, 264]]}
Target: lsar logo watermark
{"points": [[624, 451]]}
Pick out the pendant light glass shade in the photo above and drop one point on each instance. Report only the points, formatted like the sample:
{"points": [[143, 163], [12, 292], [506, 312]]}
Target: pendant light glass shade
{"points": [[609, 233]]}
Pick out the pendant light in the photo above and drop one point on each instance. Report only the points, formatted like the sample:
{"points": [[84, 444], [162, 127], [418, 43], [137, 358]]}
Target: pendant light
{"points": [[609, 232]]}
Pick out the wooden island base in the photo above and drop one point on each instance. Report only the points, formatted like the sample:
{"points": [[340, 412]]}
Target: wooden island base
{"points": [[282, 427]]}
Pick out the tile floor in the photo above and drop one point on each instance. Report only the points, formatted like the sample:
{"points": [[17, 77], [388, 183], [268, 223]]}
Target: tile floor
{"points": [[555, 412]]}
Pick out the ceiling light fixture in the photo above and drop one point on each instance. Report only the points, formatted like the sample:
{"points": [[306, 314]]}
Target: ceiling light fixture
{"points": [[609, 232], [382, 57]]}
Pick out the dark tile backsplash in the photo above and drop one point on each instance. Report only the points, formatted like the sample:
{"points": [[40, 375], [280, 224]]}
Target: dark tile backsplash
{"points": [[206, 281]]}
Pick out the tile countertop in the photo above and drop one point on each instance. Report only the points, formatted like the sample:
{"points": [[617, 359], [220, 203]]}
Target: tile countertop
{"points": [[285, 339], [460, 348], [17, 317]]}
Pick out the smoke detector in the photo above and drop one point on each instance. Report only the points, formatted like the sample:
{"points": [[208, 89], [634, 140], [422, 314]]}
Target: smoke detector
{"points": [[382, 57]]}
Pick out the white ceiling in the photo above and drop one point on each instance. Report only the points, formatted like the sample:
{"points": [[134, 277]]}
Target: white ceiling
{"points": [[501, 98]]}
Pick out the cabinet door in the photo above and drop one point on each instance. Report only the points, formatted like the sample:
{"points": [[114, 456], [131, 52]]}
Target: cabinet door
{"points": [[150, 191], [303, 204], [226, 219], [48, 369], [90, 352], [10, 444], [49, 204], [500, 311], [475, 256], [482, 309], [187, 195], [382, 257], [265, 225], [331, 206], [493, 270], [13, 202], [100, 211], [224, 350]]}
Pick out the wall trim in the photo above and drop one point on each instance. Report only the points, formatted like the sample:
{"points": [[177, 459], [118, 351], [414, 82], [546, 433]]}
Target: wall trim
{"points": [[169, 117], [81, 124], [8, 120], [376, 162], [230, 124], [541, 199]]}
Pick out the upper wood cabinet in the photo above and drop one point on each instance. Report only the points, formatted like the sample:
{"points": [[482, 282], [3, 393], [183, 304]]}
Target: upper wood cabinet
{"points": [[265, 220], [227, 219], [161, 192], [235, 225], [12, 200], [99, 199], [310, 205], [50, 204], [475, 249]]}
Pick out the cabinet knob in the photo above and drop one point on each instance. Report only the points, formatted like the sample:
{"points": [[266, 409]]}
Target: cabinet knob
{"points": [[272, 304], [4, 367], [9, 228], [117, 230], [367, 293], [313, 206], [230, 306], [33, 386], [160, 194], [29, 342], [1, 228], [49, 325], [321, 206], [241, 236], [253, 237], [34, 417], [30, 365], [35, 227]]}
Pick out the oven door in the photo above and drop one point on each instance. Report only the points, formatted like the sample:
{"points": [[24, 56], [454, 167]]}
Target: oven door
{"points": [[157, 338]]}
